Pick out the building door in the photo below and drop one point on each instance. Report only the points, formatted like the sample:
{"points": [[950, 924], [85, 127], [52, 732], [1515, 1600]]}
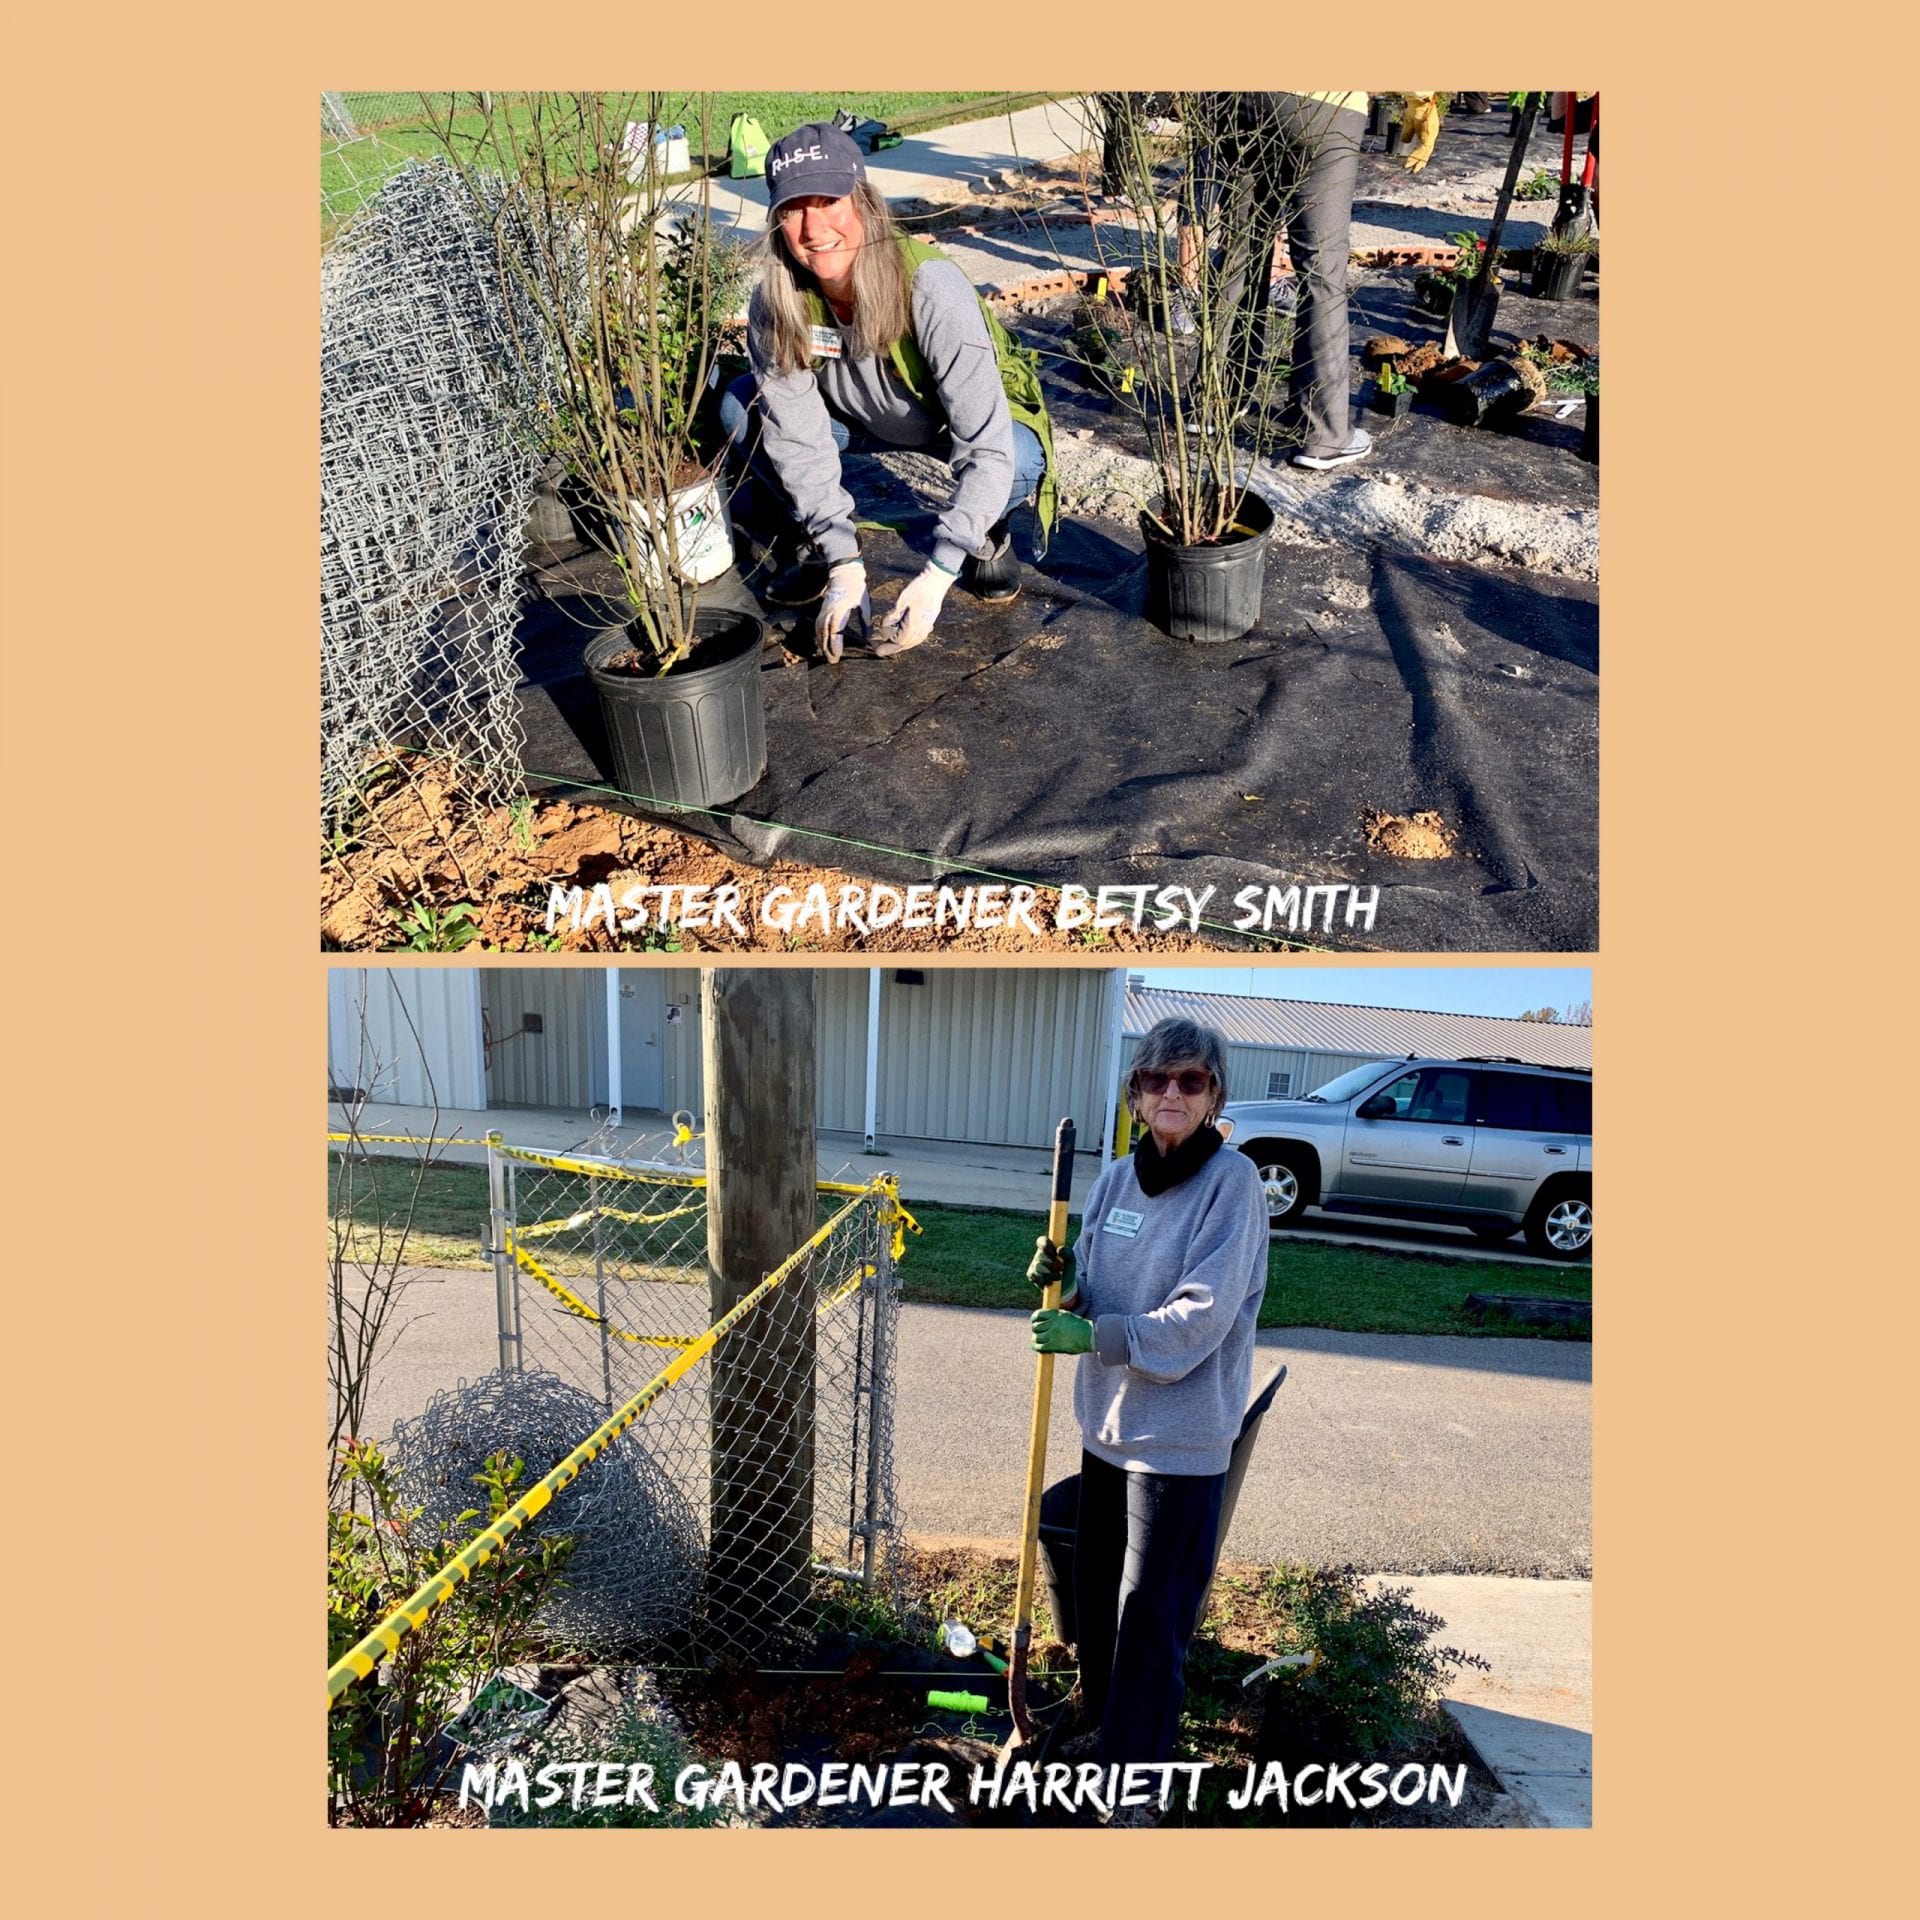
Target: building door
{"points": [[643, 1039]]}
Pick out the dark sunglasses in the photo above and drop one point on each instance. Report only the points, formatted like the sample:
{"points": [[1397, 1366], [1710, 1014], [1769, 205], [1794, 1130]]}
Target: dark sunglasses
{"points": [[1190, 1080]]}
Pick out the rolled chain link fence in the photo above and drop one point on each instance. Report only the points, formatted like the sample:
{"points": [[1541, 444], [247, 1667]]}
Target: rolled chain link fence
{"points": [[428, 469]]}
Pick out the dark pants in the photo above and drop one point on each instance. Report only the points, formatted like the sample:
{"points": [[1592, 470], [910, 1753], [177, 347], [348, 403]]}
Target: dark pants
{"points": [[1142, 1558], [1294, 162]]}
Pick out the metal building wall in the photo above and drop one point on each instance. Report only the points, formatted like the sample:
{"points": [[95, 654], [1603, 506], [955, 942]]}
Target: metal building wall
{"points": [[418, 1044], [566, 1064], [994, 1056], [841, 1097]]}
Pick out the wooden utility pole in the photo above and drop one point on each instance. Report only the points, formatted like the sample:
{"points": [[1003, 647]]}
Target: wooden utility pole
{"points": [[758, 1038]]}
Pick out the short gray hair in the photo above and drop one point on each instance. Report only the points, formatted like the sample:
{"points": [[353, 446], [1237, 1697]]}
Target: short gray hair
{"points": [[1177, 1043]]}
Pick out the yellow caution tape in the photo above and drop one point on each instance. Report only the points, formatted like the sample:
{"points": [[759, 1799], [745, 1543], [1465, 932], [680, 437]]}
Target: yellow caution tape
{"points": [[361, 1660], [598, 1170], [572, 1302], [411, 1139]]}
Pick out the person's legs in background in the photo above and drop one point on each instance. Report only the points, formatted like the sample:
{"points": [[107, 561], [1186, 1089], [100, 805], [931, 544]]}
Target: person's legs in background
{"points": [[1319, 156]]}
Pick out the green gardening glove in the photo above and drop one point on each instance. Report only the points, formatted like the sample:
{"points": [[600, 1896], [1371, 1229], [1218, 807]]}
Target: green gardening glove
{"points": [[1057, 1332], [1051, 1263]]}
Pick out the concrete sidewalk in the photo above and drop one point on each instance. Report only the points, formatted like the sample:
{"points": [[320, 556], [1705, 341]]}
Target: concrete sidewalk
{"points": [[1530, 1719], [945, 165]]}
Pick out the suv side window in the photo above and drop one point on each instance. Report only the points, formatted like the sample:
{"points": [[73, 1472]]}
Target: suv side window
{"points": [[1442, 1096], [1566, 1106], [1401, 1094], [1507, 1100]]}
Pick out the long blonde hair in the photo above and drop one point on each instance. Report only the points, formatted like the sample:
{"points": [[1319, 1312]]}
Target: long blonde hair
{"points": [[882, 307]]}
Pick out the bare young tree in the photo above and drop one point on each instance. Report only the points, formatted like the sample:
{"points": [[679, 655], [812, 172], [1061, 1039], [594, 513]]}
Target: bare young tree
{"points": [[1196, 174], [376, 1190], [629, 288]]}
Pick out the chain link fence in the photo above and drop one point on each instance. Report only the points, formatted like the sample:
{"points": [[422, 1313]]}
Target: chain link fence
{"points": [[776, 1446]]}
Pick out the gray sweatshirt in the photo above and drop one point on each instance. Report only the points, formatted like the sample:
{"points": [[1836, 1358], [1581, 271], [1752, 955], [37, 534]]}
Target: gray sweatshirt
{"points": [[1172, 1284], [868, 395]]}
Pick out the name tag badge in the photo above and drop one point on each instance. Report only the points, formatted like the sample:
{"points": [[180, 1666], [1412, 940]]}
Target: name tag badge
{"points": [[826, 341], [1120, 1221]]}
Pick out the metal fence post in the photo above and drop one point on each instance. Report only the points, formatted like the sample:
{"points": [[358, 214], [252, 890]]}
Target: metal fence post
{"points": [[600, 1292], [506, 1292], [879, 1431]]}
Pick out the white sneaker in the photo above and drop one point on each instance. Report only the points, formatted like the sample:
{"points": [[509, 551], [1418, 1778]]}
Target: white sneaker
{"points": [[1356, 449]]}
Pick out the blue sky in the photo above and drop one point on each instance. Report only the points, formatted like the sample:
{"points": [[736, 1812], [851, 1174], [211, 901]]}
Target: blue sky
{"points": [[1507, 991]]}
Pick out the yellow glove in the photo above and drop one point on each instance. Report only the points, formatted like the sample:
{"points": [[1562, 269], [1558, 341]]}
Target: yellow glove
{"points": [[1420, 124]]}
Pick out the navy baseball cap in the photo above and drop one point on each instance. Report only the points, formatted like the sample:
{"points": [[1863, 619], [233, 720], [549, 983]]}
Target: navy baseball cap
{"points": [[815, 159]]}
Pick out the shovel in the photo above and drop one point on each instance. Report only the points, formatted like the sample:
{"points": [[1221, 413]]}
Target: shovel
{"points": [[1023, 1725], [1470, 318]]}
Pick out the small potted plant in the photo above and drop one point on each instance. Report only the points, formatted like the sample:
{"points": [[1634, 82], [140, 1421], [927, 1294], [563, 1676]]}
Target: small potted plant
{"points": [[1560, 263], [1392, 392], [631, 290], [1433, 291]]}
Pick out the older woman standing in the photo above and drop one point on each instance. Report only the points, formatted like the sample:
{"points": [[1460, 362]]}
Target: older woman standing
{"points": [[863, 339], [1172, 1259]]}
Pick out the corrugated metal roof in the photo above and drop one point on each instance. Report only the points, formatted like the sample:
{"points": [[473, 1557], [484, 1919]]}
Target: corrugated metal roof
{"points": [[1314, 1026]]}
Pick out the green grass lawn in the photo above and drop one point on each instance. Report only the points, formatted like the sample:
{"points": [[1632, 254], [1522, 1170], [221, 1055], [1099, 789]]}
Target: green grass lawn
{"points": [[971, 1258], [977, 1257], [393, 124]]}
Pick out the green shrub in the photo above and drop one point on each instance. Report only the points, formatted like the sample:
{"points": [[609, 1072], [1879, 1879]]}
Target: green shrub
{"points": [[387, 1754]]}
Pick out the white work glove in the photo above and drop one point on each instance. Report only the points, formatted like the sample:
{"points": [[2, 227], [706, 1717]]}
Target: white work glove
{"points": [[910, 619], [846, 597]]}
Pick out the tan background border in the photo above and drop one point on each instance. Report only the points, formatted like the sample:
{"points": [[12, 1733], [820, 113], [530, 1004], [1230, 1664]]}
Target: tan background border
{"points": [[162, 313]]}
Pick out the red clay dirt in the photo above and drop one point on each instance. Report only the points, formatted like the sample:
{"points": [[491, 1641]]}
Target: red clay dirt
{"points": [[422, 839]]}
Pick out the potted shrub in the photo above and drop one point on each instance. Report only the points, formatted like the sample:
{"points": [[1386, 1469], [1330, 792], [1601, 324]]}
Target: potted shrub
{"points": [[1207, 255], [1560, 263], [631, 291], [1392, 392]]}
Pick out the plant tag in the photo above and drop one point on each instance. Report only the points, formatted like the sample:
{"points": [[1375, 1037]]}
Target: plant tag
{"points": [[826, 341], [1120, 1221]]}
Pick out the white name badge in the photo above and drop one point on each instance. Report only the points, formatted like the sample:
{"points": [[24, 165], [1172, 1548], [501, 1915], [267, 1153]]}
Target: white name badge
{"points": [[826, 341], [1120, 1221]]}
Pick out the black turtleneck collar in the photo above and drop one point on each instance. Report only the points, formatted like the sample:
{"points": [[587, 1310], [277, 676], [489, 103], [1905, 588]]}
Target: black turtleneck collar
{"points": [[1157, 1171]]}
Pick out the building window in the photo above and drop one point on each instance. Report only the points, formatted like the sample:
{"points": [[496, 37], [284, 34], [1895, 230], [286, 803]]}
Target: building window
{"points": [[1279, 1085]]}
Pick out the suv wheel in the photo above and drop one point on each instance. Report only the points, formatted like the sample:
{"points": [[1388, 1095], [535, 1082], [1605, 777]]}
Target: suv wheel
{"points": [[1560, 1225], [1284, 1179]]}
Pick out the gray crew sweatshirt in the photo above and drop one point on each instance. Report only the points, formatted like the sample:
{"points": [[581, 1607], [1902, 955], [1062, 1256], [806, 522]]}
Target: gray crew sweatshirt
{"points": [[868, 395], [1172, 1284]]}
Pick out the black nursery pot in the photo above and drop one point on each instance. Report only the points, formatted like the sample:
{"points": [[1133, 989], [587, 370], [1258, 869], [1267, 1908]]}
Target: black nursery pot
{"points": [[1483, 399], [1556, 276], [695, 736], [1396, 406], [1209, 592]]}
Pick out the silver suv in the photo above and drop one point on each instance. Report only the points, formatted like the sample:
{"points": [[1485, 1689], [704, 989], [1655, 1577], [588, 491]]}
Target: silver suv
{"points": [[1493, 1145]]}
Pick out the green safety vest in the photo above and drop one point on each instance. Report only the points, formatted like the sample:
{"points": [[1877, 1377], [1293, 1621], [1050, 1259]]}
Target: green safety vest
{"points": [[1019, 376]]}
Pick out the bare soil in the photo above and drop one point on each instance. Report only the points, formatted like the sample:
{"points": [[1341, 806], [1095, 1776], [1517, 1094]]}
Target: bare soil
{"points": [[423, 840], [1417, 836]]}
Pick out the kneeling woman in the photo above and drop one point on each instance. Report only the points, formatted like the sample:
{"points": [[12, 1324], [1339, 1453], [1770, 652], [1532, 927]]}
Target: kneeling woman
{"points": [[860, 338], [1172, 1260]]}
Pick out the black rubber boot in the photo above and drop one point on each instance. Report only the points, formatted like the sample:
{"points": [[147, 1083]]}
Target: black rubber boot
{"points": [[996, 579]]}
